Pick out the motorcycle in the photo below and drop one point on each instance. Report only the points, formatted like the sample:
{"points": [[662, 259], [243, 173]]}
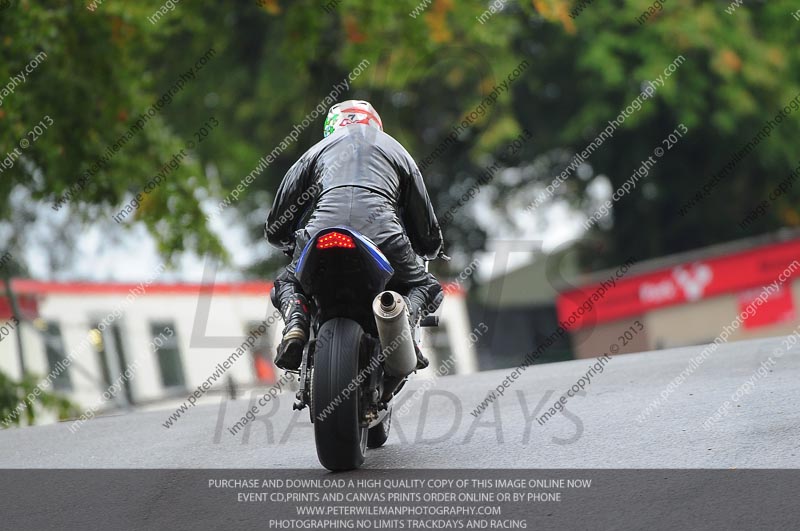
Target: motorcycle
{"points": [[362, 346]]}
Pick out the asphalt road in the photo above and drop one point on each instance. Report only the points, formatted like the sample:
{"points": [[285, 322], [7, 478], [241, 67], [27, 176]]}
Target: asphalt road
{"points": [[598, 429]]}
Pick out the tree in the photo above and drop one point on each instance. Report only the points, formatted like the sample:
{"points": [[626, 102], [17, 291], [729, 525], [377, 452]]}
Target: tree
{"points": [[84, 91], [273, 63], [14, 394], [739, 71], [268, 64]]}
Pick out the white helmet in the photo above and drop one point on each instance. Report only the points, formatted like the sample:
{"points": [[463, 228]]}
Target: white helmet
{"points": [[351, 112]]}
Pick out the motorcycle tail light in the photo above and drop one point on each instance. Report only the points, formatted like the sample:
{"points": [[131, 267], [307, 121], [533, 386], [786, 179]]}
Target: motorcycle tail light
{"points": [[335, 239]]}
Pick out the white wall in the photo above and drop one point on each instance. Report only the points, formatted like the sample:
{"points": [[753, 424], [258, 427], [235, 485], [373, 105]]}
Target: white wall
{"points": [[226, 329], [228, 317]]}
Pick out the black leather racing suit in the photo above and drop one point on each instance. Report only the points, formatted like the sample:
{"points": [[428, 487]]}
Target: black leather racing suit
{"points": [[361, 178]]}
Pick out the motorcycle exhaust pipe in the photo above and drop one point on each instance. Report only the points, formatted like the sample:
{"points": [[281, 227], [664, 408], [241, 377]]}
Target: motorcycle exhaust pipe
{"points": [[394, 331]]}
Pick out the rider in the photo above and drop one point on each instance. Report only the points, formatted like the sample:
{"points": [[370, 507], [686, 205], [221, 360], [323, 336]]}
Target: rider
{"points": [[360, 177]]}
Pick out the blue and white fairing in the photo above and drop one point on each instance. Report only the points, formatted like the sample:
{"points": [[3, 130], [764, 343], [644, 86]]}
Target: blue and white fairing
{"points": [[366, 262]]}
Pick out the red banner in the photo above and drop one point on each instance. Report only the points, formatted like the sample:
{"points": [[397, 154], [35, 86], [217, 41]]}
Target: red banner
{"points": [[778, 308], [28, 306], [603, 302]]}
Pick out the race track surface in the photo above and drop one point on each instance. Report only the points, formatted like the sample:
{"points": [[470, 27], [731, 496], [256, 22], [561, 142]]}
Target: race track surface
{"points": [[598, 429]]}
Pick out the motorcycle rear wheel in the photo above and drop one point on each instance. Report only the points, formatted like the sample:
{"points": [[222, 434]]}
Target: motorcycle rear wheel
{"points": [[341, 440], [378, 435]]}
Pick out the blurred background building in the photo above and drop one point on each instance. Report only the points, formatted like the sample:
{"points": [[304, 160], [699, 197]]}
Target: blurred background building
{"points": [[171, 337], [681, 299], [689, 298]]}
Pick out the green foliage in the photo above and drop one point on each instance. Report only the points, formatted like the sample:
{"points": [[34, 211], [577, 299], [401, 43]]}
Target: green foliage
{"points": [[93, 84], [13, 393], [275, 60], [740, 70]]}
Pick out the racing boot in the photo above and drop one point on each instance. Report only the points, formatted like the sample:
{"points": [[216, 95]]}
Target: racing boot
{"points": [[413, 319], [422, 361], [295, 334]]}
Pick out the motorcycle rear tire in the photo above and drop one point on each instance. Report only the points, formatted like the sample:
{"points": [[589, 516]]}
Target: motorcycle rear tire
{"points": [[341, 440], [378, 435]]}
